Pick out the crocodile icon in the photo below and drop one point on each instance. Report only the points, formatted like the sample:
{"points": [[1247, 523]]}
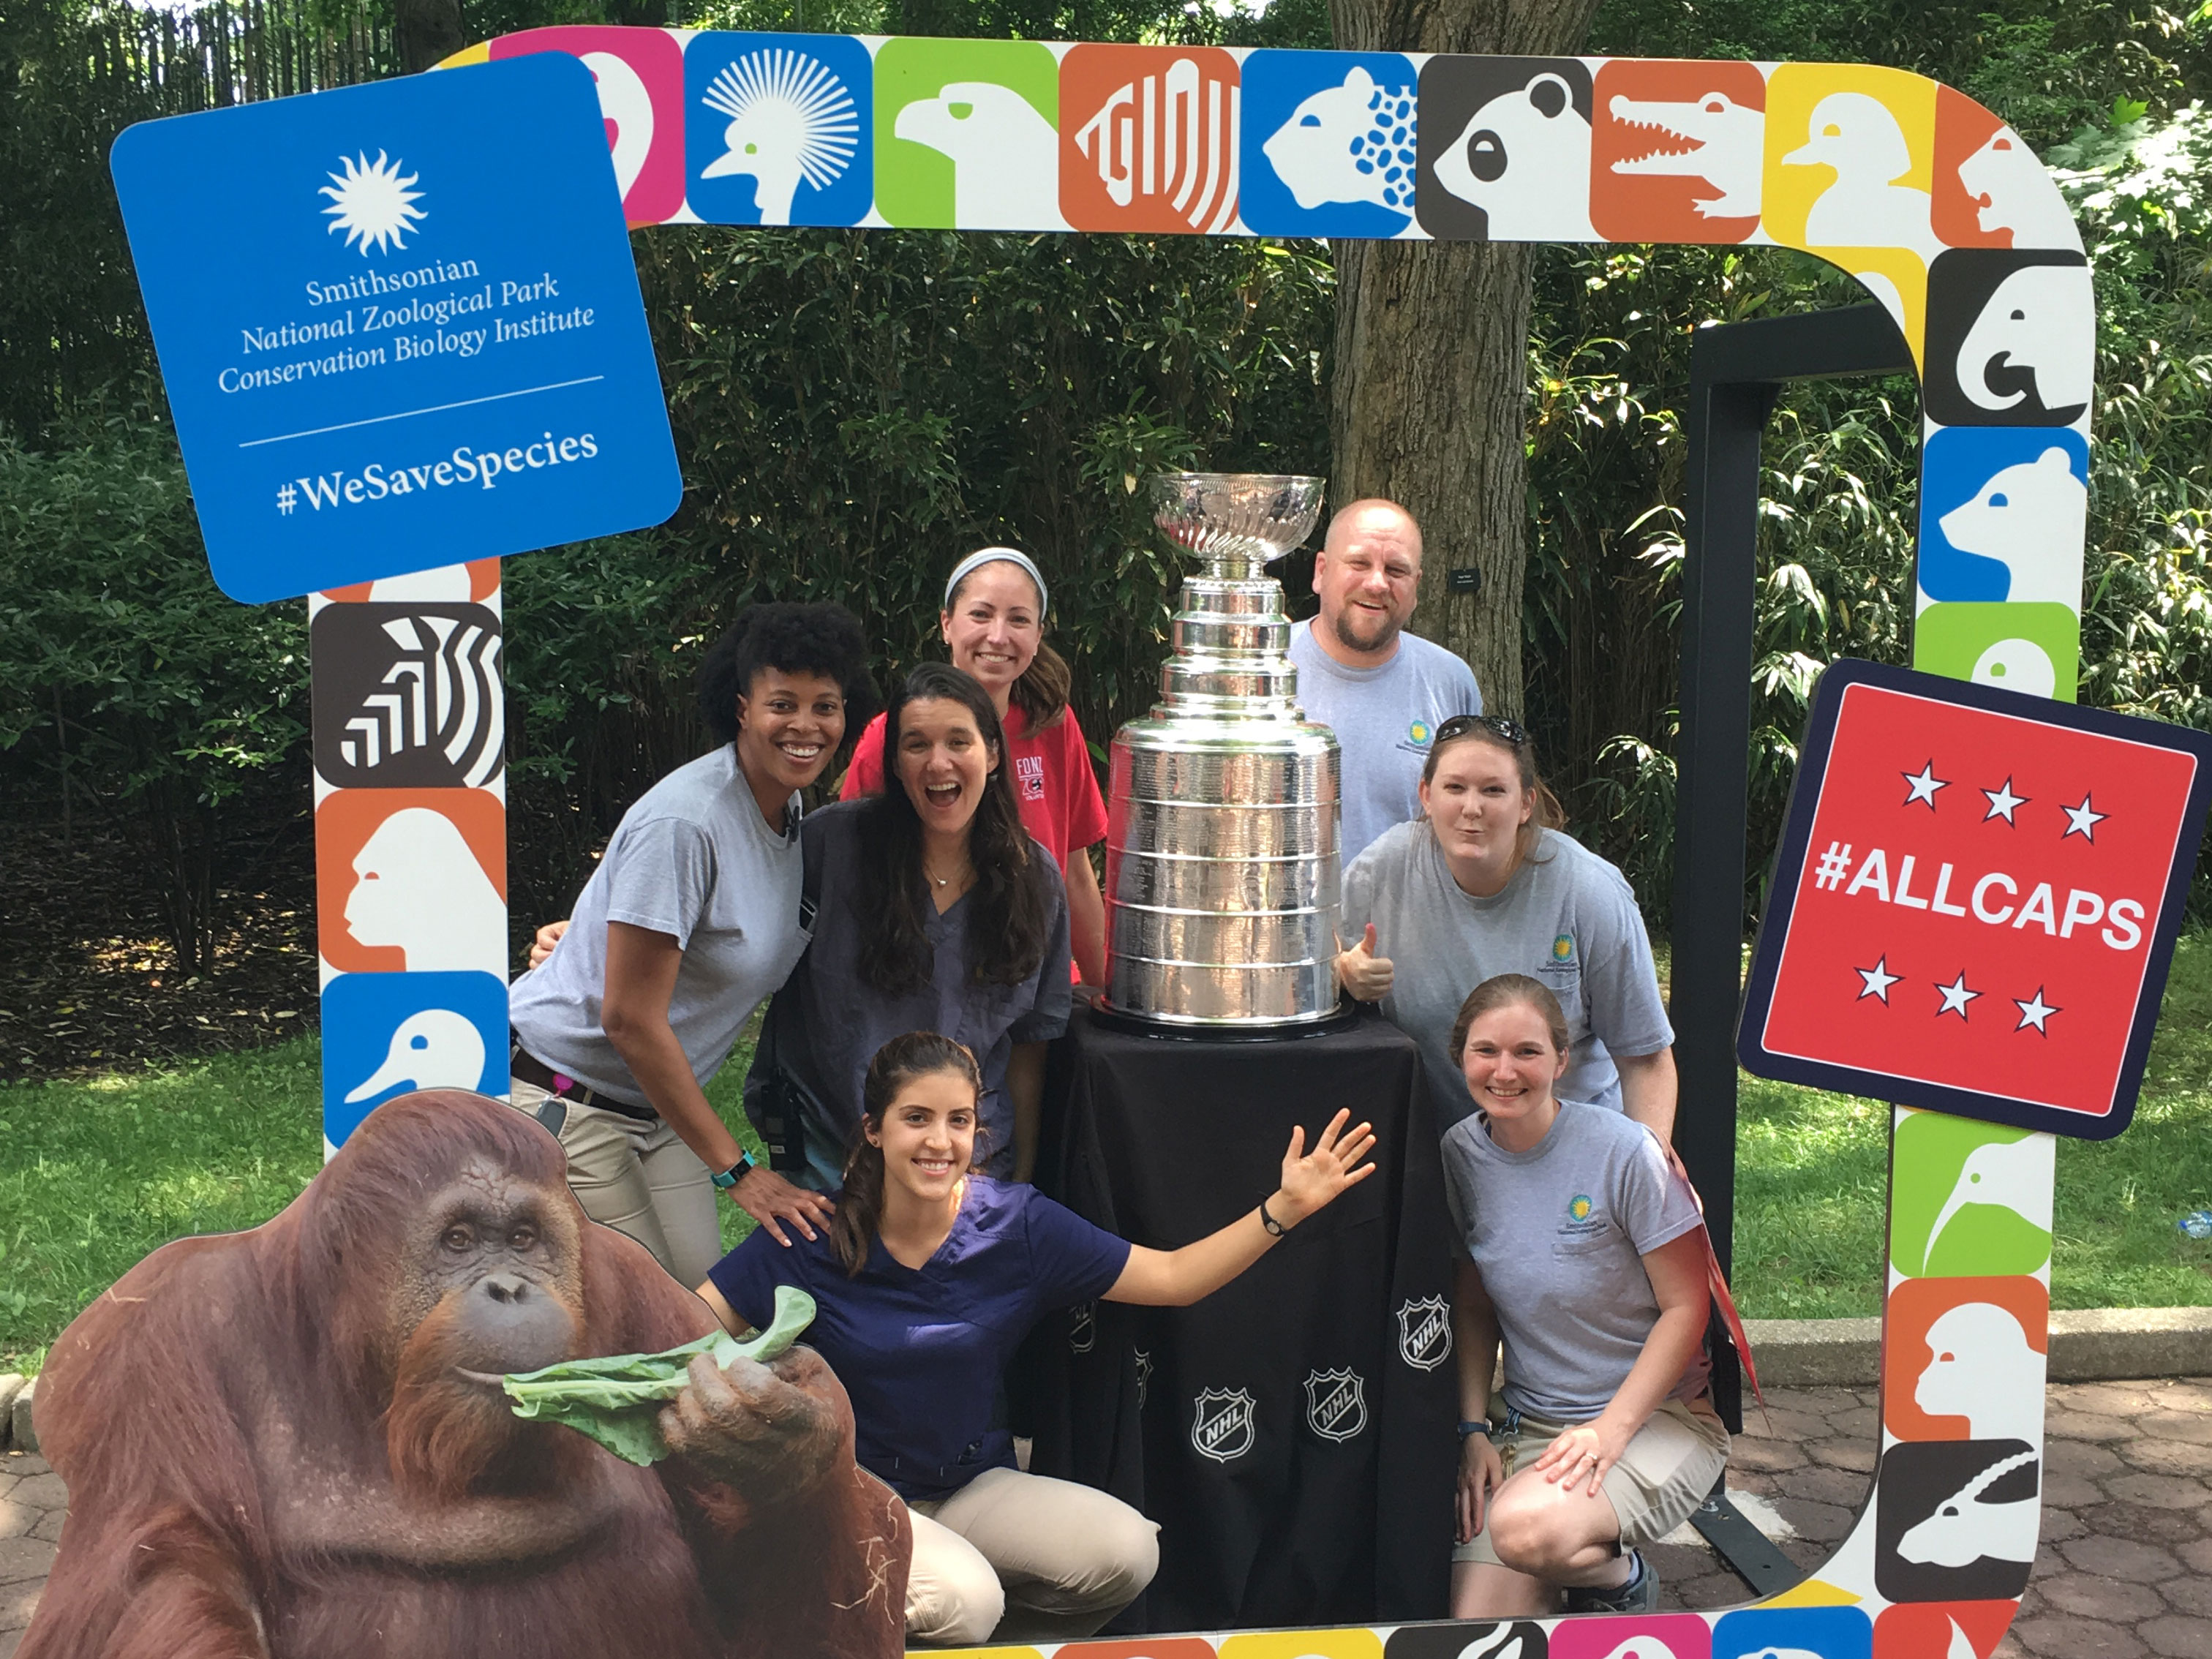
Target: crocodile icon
{"points": [[1728, 139]]}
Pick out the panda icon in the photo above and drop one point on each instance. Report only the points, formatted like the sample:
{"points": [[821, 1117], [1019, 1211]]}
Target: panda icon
{"points": [[1523, 158]]}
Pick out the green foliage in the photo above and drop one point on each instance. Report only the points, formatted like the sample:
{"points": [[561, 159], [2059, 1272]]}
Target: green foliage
{"points": [[856, 410], [97, 1172], [124, 674]]}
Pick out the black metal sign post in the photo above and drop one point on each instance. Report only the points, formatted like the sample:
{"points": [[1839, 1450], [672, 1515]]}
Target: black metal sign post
{"points": [[1737, 371]]}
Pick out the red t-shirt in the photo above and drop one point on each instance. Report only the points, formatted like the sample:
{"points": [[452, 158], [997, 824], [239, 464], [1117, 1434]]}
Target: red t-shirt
{"points": [[1052, 780]]}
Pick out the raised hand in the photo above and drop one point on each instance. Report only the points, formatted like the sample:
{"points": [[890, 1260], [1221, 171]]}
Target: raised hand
{"points": [[1312, 1180], [1366, 975]]}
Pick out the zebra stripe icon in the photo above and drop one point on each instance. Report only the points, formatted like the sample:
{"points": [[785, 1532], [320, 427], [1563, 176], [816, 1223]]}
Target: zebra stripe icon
{"points": [[420, 704]]}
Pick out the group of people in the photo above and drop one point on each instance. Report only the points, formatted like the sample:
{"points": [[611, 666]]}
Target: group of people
{"points": [[916, 943]]}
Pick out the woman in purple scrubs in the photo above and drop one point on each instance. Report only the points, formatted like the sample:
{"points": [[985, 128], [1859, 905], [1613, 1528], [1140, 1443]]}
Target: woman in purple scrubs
{"points": [[924, 1284]]}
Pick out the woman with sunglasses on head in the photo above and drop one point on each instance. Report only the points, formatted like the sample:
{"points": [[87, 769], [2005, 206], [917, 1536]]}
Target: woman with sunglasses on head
{"points": [[927, 1281], [1582, 1251], [691, 918], [993, 622], [1485, 882], [938, 912]]}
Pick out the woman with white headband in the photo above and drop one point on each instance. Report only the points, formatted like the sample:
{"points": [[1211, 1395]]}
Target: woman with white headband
{"points": [[993, 624]]}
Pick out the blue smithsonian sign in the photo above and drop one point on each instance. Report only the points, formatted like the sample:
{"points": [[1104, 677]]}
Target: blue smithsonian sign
{"points": [[399, 325]]}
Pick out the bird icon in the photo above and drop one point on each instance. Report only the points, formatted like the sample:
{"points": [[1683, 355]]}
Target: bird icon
{"points": [[436, 1049], [1858, 138], [2016, 1174]]}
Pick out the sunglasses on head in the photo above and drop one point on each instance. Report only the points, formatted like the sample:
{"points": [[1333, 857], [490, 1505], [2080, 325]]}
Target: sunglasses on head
{"points": [[1498, 725]]}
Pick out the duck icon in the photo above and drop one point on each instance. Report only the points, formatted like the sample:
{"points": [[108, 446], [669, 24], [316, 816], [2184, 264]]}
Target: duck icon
{"points": [[436, 1049], [1858, 138]]}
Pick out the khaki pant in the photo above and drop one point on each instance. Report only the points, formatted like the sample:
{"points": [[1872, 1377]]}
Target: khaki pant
{"points": [[1668, 1467], [1026, 1557], [637, 1177]]}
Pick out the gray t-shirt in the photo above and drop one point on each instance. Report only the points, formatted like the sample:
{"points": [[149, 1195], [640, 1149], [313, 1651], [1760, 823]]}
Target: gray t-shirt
{"points": [[695, 858], [1567, 918], [1383, 718], [836, 1020], [1559, 1234]]}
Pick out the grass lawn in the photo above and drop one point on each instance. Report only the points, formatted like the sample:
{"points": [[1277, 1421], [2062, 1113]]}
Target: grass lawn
{"points": [[93, 1174]]}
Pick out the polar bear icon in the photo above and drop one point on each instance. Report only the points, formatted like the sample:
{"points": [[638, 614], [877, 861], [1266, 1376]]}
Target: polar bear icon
{"points": [[1349, 144], [1006, 156], [2011, 191], [2041, 321], [2029, 517], [1524, 158]]}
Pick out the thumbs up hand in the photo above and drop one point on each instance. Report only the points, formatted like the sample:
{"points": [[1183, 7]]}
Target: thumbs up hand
{"points": [[1363, 974]]}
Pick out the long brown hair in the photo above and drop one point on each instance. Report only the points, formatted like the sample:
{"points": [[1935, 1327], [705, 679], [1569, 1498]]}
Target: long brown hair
{"points": [[897, 1063], [1042, 690], [1500, 734], [1009, 911]]}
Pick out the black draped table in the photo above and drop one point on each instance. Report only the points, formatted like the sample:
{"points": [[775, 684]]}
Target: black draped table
{"points": [[1292, 1433]]}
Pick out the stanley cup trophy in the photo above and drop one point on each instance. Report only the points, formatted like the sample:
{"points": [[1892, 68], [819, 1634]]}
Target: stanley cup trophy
{"points": [[1222, 825]]}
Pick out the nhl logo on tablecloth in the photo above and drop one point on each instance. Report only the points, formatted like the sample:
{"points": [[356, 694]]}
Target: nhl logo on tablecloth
{"points": [[1221, 1424], [1424, 1334], [1144, 1377], [1082, 1328], [1336, 1404]]}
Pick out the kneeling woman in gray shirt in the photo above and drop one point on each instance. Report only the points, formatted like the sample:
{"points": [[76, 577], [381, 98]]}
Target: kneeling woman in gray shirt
{"points": [[691, 920], [1583, 1251]]}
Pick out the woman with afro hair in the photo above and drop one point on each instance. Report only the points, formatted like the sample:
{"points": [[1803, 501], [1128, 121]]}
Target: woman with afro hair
{"points": [[691, 920]]}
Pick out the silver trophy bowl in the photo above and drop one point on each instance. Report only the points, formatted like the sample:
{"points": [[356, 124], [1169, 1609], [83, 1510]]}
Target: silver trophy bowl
{"points": [[1222, 819], [1238, 522]]}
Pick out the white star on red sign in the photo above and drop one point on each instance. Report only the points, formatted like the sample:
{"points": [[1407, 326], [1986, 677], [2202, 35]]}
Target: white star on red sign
{"points": [[1955, 997], [1878, 980], [2081, 820], [2034, 1012], [2002, 801], [1923, 785]]}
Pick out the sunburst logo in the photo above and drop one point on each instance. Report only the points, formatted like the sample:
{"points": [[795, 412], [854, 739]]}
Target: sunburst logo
{"points": [[790, 118], [371, 202]]}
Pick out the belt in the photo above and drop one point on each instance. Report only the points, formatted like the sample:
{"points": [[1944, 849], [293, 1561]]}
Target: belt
{"points": [[530, 1069]]}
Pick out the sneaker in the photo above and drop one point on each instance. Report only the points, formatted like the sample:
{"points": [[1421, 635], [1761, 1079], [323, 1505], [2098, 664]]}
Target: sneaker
{"points": [[1638, 1593]]}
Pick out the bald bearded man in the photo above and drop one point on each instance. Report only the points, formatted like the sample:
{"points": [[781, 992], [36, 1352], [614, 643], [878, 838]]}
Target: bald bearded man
{"points": [[1382, 691]]}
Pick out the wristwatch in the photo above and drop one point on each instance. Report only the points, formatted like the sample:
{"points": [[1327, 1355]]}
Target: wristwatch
{"points": [[1481, 1425], [730, 1177]]}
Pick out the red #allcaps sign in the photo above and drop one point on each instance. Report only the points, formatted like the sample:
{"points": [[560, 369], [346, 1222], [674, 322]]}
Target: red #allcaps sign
{"points": [[1975, 901]]}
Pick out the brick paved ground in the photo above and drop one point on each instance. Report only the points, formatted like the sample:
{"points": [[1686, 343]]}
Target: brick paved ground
{"points": [[2125, 1569]]}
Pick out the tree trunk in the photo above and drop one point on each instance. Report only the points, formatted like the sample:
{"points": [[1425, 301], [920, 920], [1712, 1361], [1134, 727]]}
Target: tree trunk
{"points": [[426, 32], [1430, 387]]}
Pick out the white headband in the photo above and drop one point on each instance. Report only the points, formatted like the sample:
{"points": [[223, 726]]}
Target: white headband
{"points": [[976, 561]]}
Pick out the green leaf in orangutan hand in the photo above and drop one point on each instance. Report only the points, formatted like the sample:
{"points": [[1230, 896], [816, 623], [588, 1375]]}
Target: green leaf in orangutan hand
{"points": [[618, 1399]]}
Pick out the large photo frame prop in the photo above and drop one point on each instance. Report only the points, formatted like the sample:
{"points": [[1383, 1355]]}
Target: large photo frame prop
{"points": [[1932, 203]]}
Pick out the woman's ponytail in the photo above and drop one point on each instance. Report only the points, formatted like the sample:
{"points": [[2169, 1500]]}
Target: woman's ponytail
{"points": [[1042, 691]]}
